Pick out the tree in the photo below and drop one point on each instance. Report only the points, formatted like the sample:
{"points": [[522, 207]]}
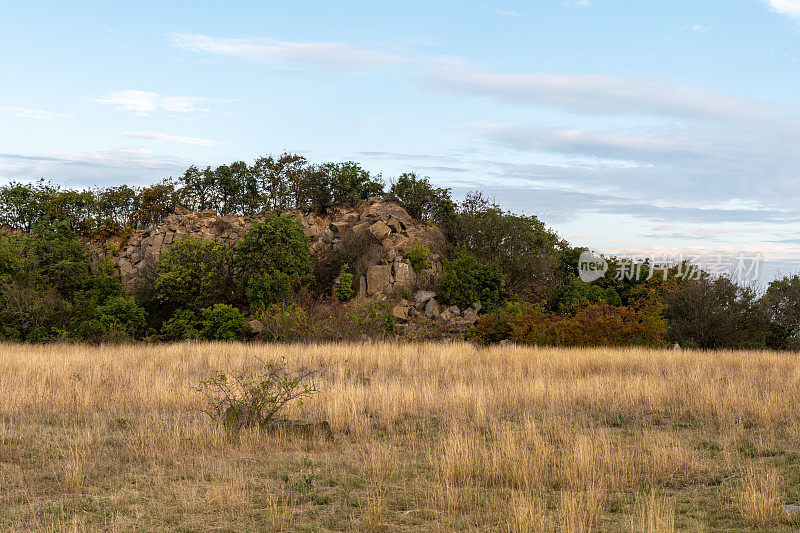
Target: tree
{"points": [[521, 247], [273, 259], [193, 274], [782, 303], [466, 282], [714, 313], [277, 183], [421, 199], [350, 183]]}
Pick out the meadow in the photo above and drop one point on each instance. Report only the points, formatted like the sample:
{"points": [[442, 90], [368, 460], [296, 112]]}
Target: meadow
{"points": [[427, 437]]}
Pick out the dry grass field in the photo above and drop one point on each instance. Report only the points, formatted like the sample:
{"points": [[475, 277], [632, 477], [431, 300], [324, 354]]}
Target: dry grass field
{"points": [[427, 437]]}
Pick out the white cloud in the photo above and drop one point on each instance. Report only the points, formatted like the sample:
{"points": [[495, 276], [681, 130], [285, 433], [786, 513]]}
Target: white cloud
{"points": [[576, 3], [786, 7], [334, 55], [155, 136], [593, 94], [38, 114], [92, 167], [144, 102], [505, 12]]}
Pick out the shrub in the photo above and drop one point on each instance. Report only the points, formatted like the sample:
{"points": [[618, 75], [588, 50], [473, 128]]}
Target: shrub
{"points": [[597, 325], [182, 326], [284, 322], [192, 274], [273, 259], [420, 257], [465, 282], [576, 294], [344, 284], [222, 322], [255, 398], [120, 312]]}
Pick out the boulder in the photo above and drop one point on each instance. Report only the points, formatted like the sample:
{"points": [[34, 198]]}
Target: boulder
{"points": [[256, 326], [208, 213], [432, 309], [422, 297], [338, 227], [470, 316], [380, 230], [378, 278], [180, 210], [400, 312], [396, 225], [404, 275], [362, 226], [362, 287], [451, 312]]}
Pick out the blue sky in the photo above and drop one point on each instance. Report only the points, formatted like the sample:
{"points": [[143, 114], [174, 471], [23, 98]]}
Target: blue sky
{"points": [[657, 127]]}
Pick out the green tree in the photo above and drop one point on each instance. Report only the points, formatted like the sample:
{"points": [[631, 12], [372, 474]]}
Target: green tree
{"points": [[466, 282], [421, 199], [192, 274], [222, 322], [273, 259], [782, 302]]}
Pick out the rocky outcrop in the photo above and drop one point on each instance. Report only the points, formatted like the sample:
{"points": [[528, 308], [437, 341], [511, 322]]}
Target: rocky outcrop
{"points": [[387, 222]]}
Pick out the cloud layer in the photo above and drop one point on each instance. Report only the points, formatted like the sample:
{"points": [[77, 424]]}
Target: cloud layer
{"points": [[145, 102], [37, 114], [330, 55], [592, 94], [155, 136]]}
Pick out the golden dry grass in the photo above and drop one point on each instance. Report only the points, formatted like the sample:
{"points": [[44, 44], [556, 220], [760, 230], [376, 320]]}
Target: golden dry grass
{"points": [[428, 437]]}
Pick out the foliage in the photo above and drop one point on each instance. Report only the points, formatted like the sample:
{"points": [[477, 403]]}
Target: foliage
{"points": [[183, 325], [598, 324], [575, 294], [421, 199], [222, 322], [255, 398], [465, 282], [284, 322], [782, 303], [714, 313], [122, 313], [326, 321], [273, 259], [519, 246], [420, 257], [344, 284], [192, 274]]}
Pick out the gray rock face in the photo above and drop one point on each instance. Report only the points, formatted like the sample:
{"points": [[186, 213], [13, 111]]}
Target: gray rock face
{"points": [[422, 297], [380, 230], [378, 279], [432, 309], [451, 312], [404, 275]]}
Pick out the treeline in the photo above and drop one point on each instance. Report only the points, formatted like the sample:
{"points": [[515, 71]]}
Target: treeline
{"points": [[518, 275], [270, 184]]}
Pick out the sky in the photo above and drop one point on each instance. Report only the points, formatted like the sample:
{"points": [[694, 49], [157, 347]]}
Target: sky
{"points": [[664, 128]]}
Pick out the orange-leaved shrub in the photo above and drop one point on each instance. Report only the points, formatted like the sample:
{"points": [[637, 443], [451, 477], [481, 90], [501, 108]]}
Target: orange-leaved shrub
{"points": [[599, 324]]}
